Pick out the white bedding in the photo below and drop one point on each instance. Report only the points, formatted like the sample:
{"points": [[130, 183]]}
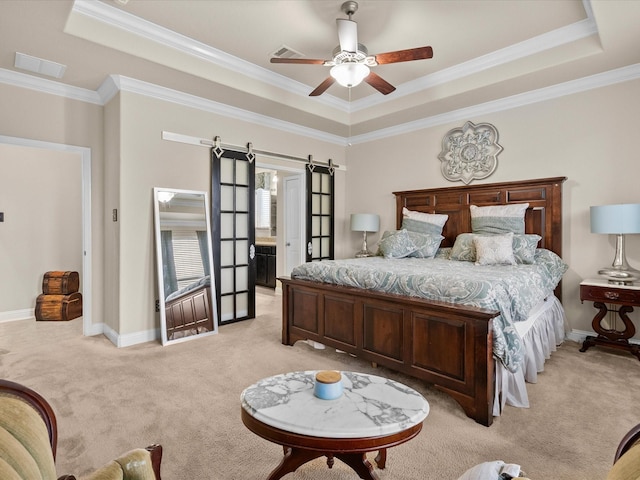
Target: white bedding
{"points": [[541, 333]]}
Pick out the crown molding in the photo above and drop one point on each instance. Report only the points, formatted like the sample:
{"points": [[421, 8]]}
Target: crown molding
{"points": [[117, 83], [123, 20], [120, 19], [44, 85], [612, 77], [555, 38]]}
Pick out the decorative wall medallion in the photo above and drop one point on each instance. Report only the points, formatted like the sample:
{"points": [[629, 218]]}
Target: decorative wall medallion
{"points": [[470, 152]]}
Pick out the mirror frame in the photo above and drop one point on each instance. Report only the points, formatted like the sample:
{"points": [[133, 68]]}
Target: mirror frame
{"points": [[213, 313]]}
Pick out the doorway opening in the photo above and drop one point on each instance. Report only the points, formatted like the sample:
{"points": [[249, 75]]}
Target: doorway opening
{"points": [[284, 244], [84, 154]]}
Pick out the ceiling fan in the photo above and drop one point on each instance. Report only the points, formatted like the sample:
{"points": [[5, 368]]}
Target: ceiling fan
{"points": [[351, 61]]}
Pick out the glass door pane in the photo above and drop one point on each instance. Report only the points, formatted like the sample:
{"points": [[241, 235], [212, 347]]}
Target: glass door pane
{"points": [[320, 214], [233, 232]]}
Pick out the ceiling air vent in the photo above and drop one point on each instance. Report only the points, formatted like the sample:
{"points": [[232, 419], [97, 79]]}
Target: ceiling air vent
{"points": [[39, 65], [286, 52]]}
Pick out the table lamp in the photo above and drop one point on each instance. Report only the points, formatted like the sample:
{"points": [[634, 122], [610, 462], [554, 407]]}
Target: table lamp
{"points": [[617, 220], [364, 222]]}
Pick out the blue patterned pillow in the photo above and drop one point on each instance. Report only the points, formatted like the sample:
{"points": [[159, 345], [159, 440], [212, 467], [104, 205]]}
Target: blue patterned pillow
{"points": [[463, 249], [427, 245], [524, 247], [396, 244], [498, 218]]}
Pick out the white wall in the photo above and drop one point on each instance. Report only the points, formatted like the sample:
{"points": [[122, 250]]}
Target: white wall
{"points": [[41, 197], [147, 161], [588, 137], [32, 115]]}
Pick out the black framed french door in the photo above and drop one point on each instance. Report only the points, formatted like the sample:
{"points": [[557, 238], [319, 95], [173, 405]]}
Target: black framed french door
{"points": [[320, 213], [233, 233]]}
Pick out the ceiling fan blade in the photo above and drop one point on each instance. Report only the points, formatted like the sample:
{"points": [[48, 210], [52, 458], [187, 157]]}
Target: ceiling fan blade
{"points": [[420, 53], [320, 89], [380, 84], [347, 34], [308, 61]]}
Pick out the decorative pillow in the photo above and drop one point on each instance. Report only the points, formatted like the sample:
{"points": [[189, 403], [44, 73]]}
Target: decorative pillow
{"points": [[427, 245], [484, 471], [524, 247], [494, 249], [463, 248], [498, 218], [431, 223], [396, 244], [443, 252]]}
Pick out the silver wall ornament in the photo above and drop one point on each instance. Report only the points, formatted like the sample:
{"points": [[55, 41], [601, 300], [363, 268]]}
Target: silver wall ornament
{"points": [[470, 152]]}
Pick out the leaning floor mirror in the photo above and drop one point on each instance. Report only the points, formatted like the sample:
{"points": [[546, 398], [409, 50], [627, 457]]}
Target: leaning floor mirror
{"points": [[185, 265]]}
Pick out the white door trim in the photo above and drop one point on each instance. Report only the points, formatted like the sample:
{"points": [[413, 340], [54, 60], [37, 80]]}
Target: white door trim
{"points": [[85, 155]]}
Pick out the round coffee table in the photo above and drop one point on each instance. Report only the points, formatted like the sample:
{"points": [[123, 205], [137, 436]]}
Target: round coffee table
{"points": [[373, 414]]}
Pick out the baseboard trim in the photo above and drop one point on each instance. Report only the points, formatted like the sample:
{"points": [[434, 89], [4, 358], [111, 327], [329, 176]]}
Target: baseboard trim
{"points": [[130, 339], [14, 315]]}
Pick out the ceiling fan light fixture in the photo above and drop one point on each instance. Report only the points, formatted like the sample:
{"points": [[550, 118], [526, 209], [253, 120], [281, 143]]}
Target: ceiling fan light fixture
{"points": [[349, 74]]}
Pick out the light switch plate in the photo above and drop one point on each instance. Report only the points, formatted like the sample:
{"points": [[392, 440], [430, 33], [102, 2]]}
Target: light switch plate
{"points": [[1, 216]]}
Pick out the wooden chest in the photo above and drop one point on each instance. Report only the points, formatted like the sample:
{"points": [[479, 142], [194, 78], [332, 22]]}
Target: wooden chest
{"points": [[59, 307], [60, 283]]}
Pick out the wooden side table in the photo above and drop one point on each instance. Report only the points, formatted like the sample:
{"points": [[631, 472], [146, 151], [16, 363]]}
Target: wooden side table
{"points": [[601, 293]]}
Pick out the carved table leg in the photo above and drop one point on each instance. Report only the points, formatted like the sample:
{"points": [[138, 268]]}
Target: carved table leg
{"points": [[610, 337], [359, 463], [296, 457], [293, 458], [381, 458]]}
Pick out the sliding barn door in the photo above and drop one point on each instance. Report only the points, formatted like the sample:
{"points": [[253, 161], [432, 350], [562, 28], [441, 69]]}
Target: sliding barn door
{"points": [[233, 233], [320, 213]]}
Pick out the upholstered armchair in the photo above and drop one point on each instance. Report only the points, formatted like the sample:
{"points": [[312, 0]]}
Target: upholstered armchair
{"points": [[29, 436], [626, 464]]}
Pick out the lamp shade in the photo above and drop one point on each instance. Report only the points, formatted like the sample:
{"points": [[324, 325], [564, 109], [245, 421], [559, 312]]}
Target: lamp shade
{"points": [[616, 219], [365, 222]]}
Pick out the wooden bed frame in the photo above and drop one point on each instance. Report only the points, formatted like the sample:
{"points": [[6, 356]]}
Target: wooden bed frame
{"points": [[189, 313], [447, 345]]}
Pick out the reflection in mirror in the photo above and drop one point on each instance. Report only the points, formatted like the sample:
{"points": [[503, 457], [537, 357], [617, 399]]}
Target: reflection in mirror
{"points": [[184, 259]]}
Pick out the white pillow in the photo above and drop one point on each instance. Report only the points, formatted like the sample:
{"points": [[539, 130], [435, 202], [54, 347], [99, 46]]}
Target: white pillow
{"points": [[494, 249], [484, 471], [435, 218], [493, 471]]}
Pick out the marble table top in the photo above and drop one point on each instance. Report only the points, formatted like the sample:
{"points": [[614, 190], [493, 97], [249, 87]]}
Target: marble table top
{"points": [[369, 406]]}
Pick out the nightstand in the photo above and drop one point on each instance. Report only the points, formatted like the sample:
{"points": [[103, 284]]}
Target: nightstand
{"points": [[625, 297]]}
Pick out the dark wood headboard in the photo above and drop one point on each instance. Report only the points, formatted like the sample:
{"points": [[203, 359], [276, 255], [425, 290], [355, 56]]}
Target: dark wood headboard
{"points": [[544, 215]]}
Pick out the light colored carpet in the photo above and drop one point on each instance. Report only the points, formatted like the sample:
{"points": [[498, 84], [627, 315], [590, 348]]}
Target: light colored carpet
{"points": [[186, 397]]}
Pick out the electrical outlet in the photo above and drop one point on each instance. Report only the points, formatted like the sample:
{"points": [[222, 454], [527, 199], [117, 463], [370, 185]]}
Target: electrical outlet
{"points": [[157, 305]]}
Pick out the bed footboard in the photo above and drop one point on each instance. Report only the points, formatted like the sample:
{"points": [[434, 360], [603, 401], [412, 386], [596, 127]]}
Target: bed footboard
{"points": [[447, 345], [189, 313]]}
